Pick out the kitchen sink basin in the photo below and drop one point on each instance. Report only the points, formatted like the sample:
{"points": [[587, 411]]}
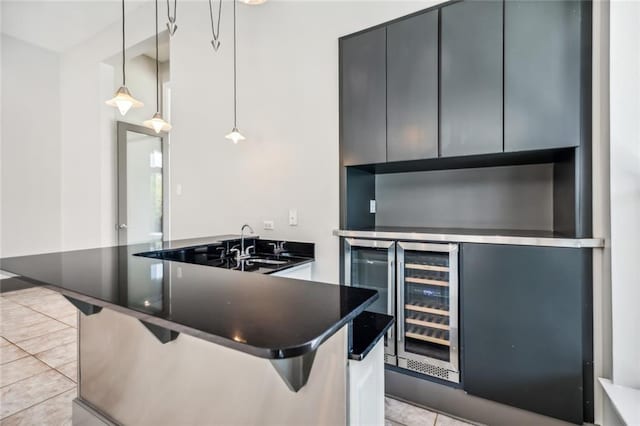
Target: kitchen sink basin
{"points": [[211, 256]]}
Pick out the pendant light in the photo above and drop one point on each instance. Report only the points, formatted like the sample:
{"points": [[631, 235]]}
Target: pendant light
{"points": [[123, 99], [253, 2], [156, 122], [235, 134]]}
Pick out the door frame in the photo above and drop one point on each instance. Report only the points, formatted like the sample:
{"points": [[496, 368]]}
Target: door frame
{"points": [[121, 175]]}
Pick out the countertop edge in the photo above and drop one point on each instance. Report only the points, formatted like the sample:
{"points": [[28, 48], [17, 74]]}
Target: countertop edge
{"points": [[265, 353], [470, 238], [380, 332]]}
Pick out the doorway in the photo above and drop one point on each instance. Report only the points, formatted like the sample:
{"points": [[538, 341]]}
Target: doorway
{"points": [[142, 184]]}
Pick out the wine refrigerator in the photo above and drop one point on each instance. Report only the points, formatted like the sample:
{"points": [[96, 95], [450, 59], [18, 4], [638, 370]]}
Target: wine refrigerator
{"points": [[427, 309], [371, 264]]}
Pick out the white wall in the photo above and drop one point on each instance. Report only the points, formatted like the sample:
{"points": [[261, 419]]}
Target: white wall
{"points": [[287, 109], [88, 178], [625, 190], [30, 150]]}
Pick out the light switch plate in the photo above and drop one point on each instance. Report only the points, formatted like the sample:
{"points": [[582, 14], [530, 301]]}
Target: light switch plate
{"points": [[372, 206], [293, 217]]}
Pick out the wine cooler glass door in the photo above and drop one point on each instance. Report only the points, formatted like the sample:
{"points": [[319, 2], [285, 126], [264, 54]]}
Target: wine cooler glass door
{"points": [[371, 264], [428, 308]]}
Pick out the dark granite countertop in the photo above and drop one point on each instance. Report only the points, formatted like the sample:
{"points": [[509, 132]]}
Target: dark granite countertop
{"points": [[262, 315], [368, 328]]}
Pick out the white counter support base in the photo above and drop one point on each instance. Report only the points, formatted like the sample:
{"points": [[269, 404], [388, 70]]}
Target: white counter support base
{"points": [[366, 388]]}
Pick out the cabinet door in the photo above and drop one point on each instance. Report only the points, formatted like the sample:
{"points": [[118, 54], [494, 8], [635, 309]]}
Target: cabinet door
{"points": [[543, 74], [363, 98], [522, 317], [412, 88], [471, 78]]}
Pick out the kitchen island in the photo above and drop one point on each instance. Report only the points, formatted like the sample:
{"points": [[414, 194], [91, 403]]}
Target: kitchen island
{"points": [[171, 342]]}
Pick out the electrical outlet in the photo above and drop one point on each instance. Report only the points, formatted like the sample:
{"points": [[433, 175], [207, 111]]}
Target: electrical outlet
{"points": [[293, 217], [268, 225], [178, 189], [372, 206]]}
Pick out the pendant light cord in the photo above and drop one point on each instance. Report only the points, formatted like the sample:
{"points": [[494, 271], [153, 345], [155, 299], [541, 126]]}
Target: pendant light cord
{"points": [[124, 75], [235, 79], [157, 65], [175, 5], [213, 28]]}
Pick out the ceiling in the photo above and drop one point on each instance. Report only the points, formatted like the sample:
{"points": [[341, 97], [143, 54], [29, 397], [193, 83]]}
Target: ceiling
{"points": [[59, 25]]}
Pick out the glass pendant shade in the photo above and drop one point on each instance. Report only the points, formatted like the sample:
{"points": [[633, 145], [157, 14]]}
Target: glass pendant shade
{"points": [[253, 2], [158, 123], [235, 135], [124, 101]]}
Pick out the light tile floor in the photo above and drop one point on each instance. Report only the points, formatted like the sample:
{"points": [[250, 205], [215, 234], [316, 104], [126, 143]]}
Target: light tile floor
{"points": [[38, 357], [38, 364], [398, 413]]}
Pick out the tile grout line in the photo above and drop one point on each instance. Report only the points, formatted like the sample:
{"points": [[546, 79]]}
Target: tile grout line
{"points": [[67, 363], [41, 313], [19, 348], [40, 402], [76, 383], [38, 312], [33, 375]]}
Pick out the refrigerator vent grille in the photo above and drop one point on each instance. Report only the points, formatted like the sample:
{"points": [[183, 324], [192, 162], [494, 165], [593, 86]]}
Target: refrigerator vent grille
{"points": [[431, 370]]}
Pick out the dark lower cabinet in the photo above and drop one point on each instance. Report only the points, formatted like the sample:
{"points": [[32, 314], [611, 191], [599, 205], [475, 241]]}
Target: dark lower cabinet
{"points": [[526, 314], [546, 64], [471, 78], [412, 88], [363, 99]]}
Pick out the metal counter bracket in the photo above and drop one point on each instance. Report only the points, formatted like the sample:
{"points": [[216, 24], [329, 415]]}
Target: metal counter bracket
{"points": [[295, 371], [164, 335], [84, 307]]}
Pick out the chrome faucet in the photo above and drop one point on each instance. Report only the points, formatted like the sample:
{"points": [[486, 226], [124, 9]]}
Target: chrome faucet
{"points": [[278, 248], [244, 254]]}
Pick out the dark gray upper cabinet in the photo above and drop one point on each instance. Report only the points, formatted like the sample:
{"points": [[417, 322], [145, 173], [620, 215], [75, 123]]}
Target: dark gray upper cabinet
{"points": [[363, 98], [412, 88], [542, 93], [471, 78]]}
